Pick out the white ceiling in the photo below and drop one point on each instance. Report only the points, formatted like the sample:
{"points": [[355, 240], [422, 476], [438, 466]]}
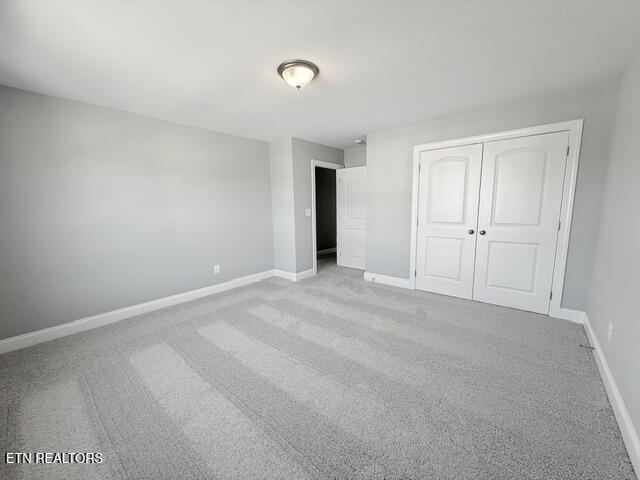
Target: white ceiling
{"points": [[382, 63]]}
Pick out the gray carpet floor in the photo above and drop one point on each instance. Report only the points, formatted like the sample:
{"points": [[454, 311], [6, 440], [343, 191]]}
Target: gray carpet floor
{"points": [[331, 378]]}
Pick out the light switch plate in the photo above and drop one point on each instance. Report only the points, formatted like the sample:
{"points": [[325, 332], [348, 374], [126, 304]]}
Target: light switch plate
{"points": [[307, 212]]}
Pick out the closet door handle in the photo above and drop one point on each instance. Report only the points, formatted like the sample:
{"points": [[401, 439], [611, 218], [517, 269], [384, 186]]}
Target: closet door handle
{"points": [[482, 232], [471, 231]]}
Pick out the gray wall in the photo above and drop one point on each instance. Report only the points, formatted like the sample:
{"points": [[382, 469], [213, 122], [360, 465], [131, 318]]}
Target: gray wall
{"points": [[616, 274], [325, 208], [101, 209], [302, 153], [284, 233], [389, 160], [355, 156]]}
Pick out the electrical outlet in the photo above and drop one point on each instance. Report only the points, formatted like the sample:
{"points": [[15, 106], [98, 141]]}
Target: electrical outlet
{"points": [[216, 269], [609, 331]]}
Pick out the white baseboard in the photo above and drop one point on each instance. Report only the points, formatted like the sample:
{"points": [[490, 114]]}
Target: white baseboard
{"points": [[101, 319], [295, 277], [327, 251], [627, 429], [576, 316], [387, 280], [284, 274], [306, 274]]}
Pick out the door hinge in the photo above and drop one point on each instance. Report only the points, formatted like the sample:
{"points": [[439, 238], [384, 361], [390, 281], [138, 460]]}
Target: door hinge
{"points": [[559, 225], [551, 296], [415, 273], [417, 221], [568, 150], [419, 167]]}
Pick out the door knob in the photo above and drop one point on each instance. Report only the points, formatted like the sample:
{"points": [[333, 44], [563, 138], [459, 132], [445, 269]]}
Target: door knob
{"points": [[471, 231], [482, 232]]}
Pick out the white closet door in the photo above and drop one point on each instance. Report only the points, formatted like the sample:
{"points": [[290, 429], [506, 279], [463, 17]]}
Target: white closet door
{"points": [[518, 222], [449, 184], [352, 216]]}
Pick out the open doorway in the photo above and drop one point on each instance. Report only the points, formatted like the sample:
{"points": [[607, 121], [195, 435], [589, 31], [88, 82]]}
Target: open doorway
{"points": [[325, 217], [324, 221]]}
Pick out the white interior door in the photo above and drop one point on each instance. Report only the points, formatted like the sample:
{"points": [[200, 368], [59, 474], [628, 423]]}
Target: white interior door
{"points": [[352, 216], [449, 183], [518, 221]]}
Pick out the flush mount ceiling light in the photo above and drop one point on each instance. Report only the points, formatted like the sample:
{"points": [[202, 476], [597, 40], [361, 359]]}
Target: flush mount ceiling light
{"points": [[298, 73]]}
